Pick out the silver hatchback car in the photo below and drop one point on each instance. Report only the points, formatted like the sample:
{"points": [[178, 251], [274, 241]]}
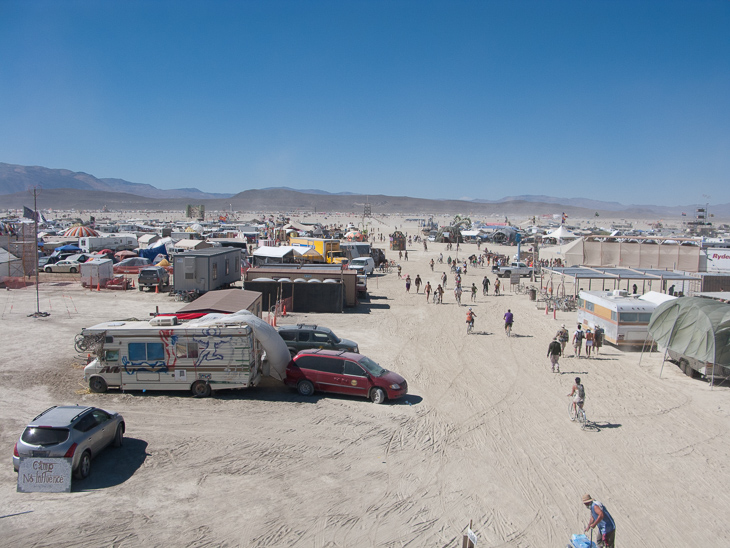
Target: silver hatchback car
{"points": [[75, 432]]}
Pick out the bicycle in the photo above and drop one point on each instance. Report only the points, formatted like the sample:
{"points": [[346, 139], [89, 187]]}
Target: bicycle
{"points": [[469, 327], [577, 412], [80, 344], [508, 329]]}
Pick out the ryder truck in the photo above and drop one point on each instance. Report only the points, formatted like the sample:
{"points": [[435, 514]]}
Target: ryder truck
{"points": [[328, 248]]}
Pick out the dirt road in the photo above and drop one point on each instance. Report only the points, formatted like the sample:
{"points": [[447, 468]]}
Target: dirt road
{"points": [[484, 436]]}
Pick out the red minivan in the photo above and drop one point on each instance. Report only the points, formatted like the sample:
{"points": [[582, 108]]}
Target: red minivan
{"points": [[343, 373]]}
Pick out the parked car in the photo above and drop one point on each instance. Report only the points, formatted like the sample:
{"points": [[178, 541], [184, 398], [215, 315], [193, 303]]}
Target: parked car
{"points": [[343, 373], [131, 266], [303, 336], [79, 257], [63, 266], [60, 256], [153, 276], [75, 432], [43, 261]]}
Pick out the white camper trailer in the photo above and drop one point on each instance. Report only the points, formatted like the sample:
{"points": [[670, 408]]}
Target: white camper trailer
{"points": [[115, 243], [623, 317], [211, 353]]}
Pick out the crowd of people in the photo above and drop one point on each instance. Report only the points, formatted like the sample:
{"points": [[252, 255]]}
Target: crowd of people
{"points": [[589, 340]]}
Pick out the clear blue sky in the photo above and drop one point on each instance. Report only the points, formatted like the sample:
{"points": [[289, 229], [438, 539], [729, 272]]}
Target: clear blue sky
{"points": [[617, 100]]}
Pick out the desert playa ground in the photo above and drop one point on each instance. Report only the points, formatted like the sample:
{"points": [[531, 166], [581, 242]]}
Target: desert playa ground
{"points": [[483, 436]]}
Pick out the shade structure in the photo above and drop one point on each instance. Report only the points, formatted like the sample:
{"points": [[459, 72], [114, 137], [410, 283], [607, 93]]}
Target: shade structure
{"points": [[561, 233], [695, 327], [79, 231]]}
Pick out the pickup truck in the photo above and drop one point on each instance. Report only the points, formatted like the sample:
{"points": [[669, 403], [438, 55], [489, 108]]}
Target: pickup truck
{"points": [[513, 268]]}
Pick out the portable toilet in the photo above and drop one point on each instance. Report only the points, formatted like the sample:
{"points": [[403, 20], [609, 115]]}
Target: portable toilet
{"points": [[96, 272]]}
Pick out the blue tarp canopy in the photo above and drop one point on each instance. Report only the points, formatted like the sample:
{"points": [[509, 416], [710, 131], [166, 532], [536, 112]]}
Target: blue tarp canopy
{"points": [[69, 247], [152, 252]]}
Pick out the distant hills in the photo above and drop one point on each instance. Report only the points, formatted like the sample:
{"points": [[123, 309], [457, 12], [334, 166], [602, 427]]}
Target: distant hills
{"points": [[15, 178], [65, 189]]}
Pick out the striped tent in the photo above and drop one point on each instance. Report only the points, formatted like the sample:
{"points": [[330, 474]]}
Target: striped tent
{"points": [[80, 231]]}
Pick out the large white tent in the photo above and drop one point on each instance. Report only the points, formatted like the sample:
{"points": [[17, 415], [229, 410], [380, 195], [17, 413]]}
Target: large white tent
{"points": [[561, 233]]}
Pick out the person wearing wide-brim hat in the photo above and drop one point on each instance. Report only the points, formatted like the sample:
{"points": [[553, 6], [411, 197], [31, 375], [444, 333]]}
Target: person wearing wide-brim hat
{"points": [[563, 337], [600, 517]]}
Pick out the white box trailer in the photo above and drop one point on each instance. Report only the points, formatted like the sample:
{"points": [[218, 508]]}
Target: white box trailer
{"points": [[119, 242], [214, 352], [96, 272]]}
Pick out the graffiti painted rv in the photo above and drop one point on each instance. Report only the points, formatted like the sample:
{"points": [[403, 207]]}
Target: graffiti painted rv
{"points": [[200, 356]]}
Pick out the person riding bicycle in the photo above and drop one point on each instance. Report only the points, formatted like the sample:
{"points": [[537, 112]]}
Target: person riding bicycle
{"points": [[579, 394], [470, 315], [509, 319]]}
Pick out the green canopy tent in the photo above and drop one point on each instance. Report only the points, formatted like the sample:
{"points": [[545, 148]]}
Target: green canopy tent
{"points": [[695, 327]]}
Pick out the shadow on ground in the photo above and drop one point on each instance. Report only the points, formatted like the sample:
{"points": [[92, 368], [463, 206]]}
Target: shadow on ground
{"points": [[114, 466]]}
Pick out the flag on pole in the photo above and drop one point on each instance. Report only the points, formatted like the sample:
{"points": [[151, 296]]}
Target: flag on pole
{"points": [[28, 213]]}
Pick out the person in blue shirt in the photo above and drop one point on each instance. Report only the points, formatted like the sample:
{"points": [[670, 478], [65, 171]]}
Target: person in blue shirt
{"points": [[601, 518]]}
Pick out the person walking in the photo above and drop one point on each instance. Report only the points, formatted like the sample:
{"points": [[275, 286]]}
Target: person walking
{"points": [[427, 290], [563, 336], [598, 338], [405, 257], [485, 286], [577, 341], [418, 282], [431, 263], [497, 283], [457, 294], [554, 352], [602, 518], [408, 283], [440, 293], [474, 292], [443, 279], [589, 342]]}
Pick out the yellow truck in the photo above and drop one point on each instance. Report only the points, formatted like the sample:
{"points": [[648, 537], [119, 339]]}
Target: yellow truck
{"points": [[329, 249]]}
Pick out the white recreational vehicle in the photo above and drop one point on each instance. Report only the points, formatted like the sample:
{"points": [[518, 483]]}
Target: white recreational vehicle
{"points": [[217, 351], [623, 317], [119, 242]]}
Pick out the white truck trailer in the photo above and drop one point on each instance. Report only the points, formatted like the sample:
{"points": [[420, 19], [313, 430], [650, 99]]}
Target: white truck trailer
{"points": [[212, 353]]}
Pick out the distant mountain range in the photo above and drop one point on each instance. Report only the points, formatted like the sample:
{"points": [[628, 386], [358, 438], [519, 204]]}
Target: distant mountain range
{"points": [[14, 178], [64, 189]]}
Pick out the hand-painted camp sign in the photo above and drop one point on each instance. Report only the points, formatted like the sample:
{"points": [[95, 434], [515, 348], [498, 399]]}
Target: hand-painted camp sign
{"points": [[44, 475]]}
